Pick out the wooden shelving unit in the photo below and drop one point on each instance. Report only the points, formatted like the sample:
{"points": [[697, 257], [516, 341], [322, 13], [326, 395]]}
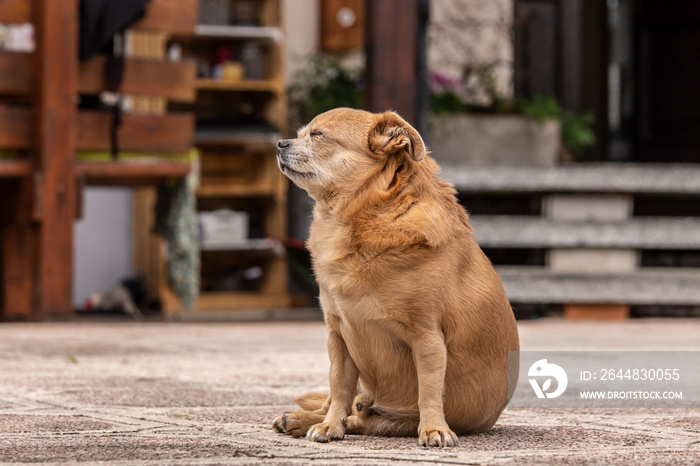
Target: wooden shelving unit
{"points": [[15, 168], [238, 123]]}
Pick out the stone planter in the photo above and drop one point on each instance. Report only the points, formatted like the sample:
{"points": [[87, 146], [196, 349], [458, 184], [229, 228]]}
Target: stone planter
{"points": [[487, 140]]}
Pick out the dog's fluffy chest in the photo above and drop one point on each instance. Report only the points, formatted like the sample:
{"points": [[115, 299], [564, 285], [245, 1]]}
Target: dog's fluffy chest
{"points": [[348, 276], [364, 285], [352, 276]]}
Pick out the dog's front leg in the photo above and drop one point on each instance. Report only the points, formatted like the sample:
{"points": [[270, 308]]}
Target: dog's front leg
{"points": [[343, 382], [430, 358]]}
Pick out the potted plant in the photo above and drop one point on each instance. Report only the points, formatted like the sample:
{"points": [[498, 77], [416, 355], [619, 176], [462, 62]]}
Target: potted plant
{"points": [[501, 131]]}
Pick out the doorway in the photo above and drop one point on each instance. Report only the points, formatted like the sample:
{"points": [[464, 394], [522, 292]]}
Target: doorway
{"points": [[667, 72]]}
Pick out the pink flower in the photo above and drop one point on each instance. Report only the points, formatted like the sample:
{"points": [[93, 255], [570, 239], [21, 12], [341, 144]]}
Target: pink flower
{"points": [[439, 83]]}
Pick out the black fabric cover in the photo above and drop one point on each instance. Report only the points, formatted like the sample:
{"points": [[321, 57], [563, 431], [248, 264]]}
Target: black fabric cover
{"points": [[101, 19]]}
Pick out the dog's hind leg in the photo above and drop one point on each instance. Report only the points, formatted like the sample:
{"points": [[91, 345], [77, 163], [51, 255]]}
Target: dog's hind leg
{"points": [[366, 419], [297, 423]]}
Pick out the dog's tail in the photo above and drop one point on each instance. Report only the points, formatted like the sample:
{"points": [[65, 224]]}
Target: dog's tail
{"points": [[311, 401], [385, 420], [365, 406]]}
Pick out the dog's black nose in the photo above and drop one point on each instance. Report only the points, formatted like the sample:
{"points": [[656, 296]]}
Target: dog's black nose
{"points": [[283, 144]]}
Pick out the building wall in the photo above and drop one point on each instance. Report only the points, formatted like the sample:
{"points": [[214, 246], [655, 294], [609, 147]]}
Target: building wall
{"points": [[472, 33], [301, 24]]}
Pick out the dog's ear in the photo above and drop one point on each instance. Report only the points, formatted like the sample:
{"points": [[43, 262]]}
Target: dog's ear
{"points": [[391, 134]]}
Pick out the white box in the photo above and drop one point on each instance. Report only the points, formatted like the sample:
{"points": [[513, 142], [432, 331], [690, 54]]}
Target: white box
{"points": [[223, 227]]}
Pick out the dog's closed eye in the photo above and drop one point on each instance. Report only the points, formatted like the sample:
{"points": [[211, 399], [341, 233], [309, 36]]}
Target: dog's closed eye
{"points": [[316, 133]]}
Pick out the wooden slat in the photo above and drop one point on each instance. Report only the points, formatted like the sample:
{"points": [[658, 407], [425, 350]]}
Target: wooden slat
{"points": [[177, 17], [55, 145], [228, 301], [16, 76], [175, 81], [130, 173], [259, 189], [145, 245], [596, 312], [15, 127], [18, 260], [241, 86], [16, 11], [221, 301], [173, 133], [15, 168]]}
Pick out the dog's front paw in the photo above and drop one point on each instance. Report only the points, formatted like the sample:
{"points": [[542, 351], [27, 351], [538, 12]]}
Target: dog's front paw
{"points": [[437, 438], [325, 432]]}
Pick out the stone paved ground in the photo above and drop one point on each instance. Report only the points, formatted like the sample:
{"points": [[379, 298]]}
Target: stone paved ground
{"points": [[205, 394]]}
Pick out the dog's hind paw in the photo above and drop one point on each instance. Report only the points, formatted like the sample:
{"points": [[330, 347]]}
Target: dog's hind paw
{"points": [[437, 438], [279, 424], [296, 423], [289, 424]]}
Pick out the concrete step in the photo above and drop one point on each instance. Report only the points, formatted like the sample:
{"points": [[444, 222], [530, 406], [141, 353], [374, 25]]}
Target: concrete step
{"points": [[635, 233], [584, 177], [646, 286]]}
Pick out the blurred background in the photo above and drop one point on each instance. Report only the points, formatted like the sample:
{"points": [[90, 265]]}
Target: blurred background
{"points": [[138, 164]]}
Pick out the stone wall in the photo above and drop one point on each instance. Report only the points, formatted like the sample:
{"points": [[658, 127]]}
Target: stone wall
{"points": [[476, 34]]}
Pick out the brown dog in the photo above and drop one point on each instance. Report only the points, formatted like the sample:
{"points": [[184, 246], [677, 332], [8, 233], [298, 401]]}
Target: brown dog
{"points": [[414, 309]]}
